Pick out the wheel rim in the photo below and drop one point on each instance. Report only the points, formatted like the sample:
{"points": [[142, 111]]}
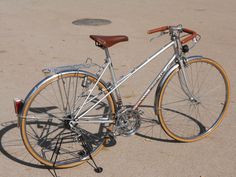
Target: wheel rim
{"points": [[189, 120], [45, 124]]}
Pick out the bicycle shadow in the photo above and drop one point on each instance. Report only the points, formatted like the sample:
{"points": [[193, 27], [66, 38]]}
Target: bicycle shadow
{"points": [[150, 128], [11, 144], [12, 147]]}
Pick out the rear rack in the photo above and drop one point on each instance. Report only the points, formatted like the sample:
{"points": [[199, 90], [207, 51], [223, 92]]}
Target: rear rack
{"points": [[87, 66]]}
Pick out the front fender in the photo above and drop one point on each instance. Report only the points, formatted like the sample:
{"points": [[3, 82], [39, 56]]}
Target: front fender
{"points": [[165, 76]]}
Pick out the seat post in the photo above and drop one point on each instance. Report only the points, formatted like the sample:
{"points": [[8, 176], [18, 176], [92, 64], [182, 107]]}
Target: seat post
{"points": [[108, 57], [113, 76]]}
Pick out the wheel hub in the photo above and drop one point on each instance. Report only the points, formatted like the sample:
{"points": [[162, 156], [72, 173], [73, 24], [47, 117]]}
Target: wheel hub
{"points": [[67, 122], [194, 100]]}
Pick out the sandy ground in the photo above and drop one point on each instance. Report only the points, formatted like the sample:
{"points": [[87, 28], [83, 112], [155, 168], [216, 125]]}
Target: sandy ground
{"points": [[35, 34]]}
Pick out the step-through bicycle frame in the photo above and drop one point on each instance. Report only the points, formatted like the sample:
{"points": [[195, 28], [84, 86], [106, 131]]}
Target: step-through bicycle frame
{"points": [[118, 119], [108, 64]]}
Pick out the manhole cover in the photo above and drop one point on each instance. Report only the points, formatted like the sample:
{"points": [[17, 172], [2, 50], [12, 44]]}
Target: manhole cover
{"points": [[91, 22]]}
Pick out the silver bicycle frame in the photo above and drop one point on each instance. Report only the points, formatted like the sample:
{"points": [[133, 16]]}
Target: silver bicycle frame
{"points": [[108, 64]]}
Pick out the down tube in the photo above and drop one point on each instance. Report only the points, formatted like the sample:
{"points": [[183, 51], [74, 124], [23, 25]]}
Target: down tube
{"points": [[128, 76], [154, 82]]}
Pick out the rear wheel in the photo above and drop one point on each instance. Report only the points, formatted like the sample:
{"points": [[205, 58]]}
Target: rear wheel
{"points": [[48, 110], [186, 118]]}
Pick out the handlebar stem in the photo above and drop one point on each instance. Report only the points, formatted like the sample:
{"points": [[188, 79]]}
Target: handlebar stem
{"points": [[175, 36]]}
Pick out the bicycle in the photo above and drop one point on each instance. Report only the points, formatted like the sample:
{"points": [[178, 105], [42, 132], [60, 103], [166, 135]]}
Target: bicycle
{"points": [[72, 113]]}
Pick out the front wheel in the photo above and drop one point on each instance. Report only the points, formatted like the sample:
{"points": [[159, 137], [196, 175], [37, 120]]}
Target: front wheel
{"points": [[190, 117]]}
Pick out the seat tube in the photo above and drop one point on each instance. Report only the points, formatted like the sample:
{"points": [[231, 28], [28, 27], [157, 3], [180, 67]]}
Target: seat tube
{"points": [[113, 76]]}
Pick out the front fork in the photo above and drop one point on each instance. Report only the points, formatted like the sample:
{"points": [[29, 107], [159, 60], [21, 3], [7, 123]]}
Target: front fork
{"points": [[184, 80]]}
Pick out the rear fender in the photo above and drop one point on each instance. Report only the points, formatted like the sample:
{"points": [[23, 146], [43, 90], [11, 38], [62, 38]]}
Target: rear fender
{"points": [[58, 75]]}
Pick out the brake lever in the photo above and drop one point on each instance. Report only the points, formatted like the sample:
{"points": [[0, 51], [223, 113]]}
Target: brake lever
{"points": [[195, 41], [197, 38], [160, 34]]}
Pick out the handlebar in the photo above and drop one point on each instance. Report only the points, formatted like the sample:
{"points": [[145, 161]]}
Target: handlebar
{"points": [[191, 36], [160, 29]]}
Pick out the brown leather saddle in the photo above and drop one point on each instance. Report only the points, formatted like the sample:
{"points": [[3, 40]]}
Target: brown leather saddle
{"points": [[108, 41]]}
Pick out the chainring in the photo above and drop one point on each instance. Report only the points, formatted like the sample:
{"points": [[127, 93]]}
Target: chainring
{"points": [[128, 122]]}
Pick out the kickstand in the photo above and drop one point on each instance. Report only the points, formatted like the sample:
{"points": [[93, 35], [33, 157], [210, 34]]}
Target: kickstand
{"points": [[56, 151], [54, 174], [88, 150]]}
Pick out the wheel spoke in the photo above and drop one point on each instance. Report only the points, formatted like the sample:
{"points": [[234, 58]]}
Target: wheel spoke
{"points": [[47, 113], [194, 119]]}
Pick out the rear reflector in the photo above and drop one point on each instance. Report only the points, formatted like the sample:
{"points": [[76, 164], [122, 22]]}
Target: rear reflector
{"points": [[18, 104]]}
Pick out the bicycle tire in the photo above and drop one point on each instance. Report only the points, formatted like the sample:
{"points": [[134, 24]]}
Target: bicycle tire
{"points": [[44, 122], [186, 120]]}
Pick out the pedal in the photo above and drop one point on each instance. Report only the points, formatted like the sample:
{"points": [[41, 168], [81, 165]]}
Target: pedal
{"points": [[110, 140]]}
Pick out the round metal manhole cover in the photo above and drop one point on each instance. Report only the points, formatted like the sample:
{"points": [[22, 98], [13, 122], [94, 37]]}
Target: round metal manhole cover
{"points": [[91, 22]]}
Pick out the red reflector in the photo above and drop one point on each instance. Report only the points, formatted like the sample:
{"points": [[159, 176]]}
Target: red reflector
{"points": [[18, 104]]}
